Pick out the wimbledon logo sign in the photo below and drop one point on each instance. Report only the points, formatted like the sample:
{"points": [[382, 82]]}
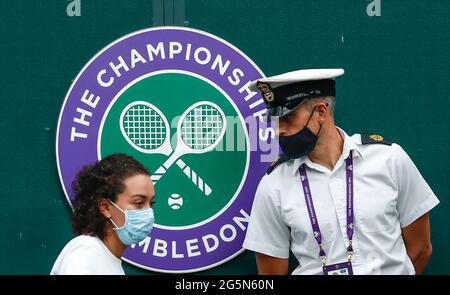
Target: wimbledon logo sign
{"points": [[178, 100]]}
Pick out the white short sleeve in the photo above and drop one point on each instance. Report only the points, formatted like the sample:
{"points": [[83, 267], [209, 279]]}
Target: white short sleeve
{"points": [[82, 261], [267, 233], [86, 255], [415, 197]]}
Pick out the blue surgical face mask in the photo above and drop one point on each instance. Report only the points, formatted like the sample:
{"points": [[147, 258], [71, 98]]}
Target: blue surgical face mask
{"points": [[138, 225], [299, 144]]}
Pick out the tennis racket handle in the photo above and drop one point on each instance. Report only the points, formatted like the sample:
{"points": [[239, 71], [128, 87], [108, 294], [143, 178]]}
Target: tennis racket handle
{"points": [[162, 170], [193, 176], [158, 174]]}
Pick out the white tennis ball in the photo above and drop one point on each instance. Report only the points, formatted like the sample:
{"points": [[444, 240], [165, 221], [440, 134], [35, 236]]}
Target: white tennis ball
{"points": [[175, 201]]}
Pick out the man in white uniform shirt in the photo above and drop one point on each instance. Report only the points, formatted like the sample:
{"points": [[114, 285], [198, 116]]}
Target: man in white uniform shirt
{"points": [[342, 204]]}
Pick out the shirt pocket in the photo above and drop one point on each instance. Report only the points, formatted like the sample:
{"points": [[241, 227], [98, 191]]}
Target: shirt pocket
{"points": [[375, 210], [301, 230]]}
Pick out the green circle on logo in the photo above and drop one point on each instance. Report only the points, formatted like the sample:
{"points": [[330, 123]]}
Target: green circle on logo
{"points": [[185, 194]]}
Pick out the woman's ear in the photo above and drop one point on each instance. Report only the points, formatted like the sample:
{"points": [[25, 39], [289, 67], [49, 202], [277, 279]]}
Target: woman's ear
{"points": [[103, 206]]}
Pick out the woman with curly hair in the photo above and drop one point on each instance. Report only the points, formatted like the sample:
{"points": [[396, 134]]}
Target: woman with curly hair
{"points": [[112, 209]]}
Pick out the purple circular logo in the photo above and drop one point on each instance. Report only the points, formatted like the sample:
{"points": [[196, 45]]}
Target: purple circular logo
{"points": [[178, 100]]}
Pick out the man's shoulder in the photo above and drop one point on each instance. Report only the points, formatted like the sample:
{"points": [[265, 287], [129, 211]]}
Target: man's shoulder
{"points": [[370, 139], [278, 172], [375, 145], [276, 163]]}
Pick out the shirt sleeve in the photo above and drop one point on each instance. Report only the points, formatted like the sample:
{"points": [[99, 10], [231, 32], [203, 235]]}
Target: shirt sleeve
{"points": [[81, 261], [267, 233], [415, 197]]}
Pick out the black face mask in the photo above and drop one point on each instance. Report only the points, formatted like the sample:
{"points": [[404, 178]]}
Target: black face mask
{"points": [[299, 144]]}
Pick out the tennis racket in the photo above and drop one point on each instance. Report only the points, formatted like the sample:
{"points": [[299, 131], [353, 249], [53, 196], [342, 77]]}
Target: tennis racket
{"points": [[199, 130], [147, 130]]}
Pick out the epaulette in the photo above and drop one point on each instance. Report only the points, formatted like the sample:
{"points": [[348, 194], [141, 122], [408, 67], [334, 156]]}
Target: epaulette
{"points": [[280, 160], [367, 138]]}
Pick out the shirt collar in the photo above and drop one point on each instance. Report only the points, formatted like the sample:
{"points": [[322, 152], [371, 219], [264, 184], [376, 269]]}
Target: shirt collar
{"points": [[350, 144]]}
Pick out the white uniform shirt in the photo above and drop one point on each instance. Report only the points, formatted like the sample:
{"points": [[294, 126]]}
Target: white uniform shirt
{"points": [[389, 194], [87, 255]]}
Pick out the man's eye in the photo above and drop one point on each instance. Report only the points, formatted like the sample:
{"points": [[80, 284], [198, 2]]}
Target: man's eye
{"points": [[286, 118]]}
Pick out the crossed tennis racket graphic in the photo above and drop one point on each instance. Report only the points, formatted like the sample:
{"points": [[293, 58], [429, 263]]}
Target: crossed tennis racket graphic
{"points": [[199, 130]]}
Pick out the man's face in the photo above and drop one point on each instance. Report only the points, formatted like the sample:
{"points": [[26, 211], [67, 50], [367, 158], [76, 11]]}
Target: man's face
{"points": [[293, 122]]}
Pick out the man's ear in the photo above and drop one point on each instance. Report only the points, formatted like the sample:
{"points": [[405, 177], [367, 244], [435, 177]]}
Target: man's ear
{"points": [[322, 111], [103, 206]]}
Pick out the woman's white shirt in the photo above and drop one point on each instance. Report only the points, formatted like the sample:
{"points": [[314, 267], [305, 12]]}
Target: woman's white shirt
{"points": [[87, 255]]}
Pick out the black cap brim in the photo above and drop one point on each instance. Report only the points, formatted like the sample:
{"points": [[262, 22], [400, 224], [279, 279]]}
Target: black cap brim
{"points": [[281, 111]]}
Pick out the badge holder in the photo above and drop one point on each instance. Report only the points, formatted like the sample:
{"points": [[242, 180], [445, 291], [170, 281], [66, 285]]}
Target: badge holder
{"points": [[343, 268]]}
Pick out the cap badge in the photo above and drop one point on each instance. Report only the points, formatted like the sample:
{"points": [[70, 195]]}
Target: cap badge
{"points": [[266, 91]]}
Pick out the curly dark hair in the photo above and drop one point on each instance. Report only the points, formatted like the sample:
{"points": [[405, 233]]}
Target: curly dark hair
{"points": [[103, 179]]}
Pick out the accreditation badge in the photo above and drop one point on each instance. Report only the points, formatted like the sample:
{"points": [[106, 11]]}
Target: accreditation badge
{"points": [[344, 268]]}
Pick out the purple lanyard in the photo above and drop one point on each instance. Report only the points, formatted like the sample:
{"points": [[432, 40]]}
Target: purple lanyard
{"points": [[312, 212]]}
